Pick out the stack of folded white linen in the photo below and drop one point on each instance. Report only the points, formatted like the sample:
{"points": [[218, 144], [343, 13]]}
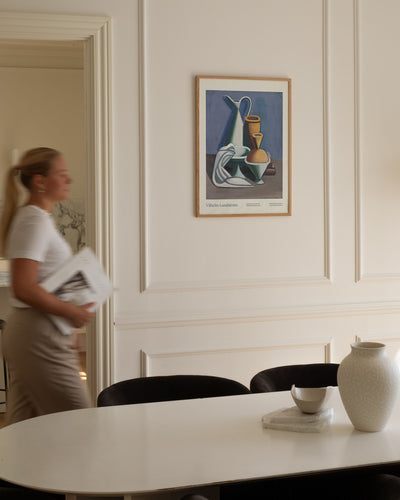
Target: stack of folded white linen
{"points": [[292, 419]]}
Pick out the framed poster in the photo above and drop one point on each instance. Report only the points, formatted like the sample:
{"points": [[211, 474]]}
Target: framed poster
{"points": [[243, 146]]}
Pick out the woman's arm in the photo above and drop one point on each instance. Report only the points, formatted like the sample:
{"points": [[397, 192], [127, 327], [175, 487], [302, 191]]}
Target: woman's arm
{"points": [[25, 287]]}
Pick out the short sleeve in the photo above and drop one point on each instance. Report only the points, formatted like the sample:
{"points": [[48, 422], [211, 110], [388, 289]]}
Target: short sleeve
{"points": [[29, 238]]}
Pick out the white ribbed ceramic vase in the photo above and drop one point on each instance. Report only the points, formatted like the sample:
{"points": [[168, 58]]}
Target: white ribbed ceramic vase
{"points": [[369, 383]]}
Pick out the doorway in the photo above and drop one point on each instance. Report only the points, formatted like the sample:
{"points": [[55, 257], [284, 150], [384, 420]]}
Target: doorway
{"points": [[93, 34], [42, 102]]}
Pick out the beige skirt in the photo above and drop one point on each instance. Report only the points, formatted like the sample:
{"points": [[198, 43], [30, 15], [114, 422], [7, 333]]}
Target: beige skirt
{"points": [[43, 368]]}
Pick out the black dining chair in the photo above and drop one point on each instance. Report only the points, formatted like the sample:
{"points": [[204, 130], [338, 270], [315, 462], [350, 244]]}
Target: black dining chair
{"points": [[168, 388], [11, 491], [281, 378], [25, 494], [345, 485]]}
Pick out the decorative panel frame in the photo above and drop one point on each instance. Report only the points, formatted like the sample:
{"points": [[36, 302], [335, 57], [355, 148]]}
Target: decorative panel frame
{"points": [[149, 286], [147, 358], [361, 274]]}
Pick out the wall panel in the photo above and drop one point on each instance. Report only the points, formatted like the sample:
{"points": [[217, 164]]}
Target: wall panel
{"points": [[181, 252], [378, 104], [239, 363], [239, 349]]}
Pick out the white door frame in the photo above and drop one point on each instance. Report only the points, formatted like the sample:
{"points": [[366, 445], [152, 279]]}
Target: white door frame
{"points": [[95, 31]]}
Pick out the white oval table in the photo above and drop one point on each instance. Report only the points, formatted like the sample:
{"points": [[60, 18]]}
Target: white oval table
{"points": [[140, 449]]}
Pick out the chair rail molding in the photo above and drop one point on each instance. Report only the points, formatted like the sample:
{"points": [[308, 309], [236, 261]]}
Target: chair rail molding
{"points": [[150, 286], [95, 31], [179, 319]]}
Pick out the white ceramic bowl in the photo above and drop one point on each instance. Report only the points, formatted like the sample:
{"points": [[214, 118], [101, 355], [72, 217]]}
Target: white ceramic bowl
{"points": [[310, 399]]}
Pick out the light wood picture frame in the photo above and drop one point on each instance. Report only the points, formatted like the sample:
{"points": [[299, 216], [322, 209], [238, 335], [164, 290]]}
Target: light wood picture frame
{"points": [[243, 146]]}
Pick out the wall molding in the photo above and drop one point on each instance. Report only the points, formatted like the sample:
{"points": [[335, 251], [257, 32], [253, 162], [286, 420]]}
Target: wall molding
{"points": [[373, 277], [377, 338], [95, 32], [360, 274], [194, 286], [146, 358], [143, 147], [179, 319], [357, 179], [325, 146], [146, 283]]}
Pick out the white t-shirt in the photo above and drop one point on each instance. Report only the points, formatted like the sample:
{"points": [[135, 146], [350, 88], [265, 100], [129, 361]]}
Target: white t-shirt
{"points": [[34, 235]]}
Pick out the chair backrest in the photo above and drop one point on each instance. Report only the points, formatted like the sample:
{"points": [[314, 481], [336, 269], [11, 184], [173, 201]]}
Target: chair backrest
{"points": [[18, 493], [168, 388], [281, 378]]}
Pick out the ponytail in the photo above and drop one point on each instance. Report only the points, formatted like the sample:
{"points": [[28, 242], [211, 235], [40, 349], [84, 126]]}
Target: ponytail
{"points": [[11, 201], [36, 161]]}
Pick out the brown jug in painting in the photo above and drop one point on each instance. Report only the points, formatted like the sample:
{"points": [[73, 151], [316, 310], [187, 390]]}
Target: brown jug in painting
{"points": [[252, 125], [257, 155]]}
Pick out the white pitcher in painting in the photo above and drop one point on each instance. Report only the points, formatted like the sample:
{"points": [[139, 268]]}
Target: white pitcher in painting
{"points": [[236, 132]]}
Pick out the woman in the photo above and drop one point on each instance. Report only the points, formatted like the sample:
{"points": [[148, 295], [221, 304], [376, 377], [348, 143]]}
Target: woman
{"points": [[43, 366]]}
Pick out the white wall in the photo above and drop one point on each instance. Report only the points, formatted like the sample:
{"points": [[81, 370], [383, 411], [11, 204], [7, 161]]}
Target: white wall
{"points": [[233, 296], [44, 107]]}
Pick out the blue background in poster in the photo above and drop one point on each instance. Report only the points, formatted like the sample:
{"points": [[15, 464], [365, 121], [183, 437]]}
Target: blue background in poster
{"points": [[220, 114]]}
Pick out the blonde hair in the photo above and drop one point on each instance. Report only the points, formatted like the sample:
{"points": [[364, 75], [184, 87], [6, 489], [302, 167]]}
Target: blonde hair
{"points": [[37, 161]]}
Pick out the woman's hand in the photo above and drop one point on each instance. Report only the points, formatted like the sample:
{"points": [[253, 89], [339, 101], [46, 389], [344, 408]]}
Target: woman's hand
{"points": [[81, 315], [26, 289]]}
